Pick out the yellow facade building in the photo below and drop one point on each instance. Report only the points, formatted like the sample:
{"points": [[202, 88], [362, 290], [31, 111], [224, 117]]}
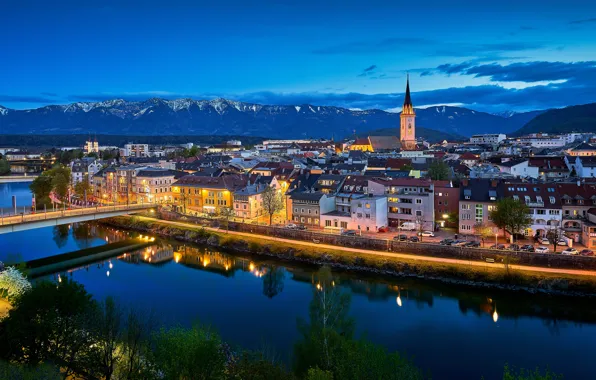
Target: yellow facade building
{"points": [[207, 195]]}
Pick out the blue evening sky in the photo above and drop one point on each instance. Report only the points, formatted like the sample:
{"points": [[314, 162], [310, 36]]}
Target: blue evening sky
{"points": [[506, 55]]}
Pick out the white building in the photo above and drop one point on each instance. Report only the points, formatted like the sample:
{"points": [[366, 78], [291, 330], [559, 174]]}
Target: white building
{"points": [[585, 167], [368, 213], [492, 138], [81, 168], [518, 168], [136, 150], [544, 141]]}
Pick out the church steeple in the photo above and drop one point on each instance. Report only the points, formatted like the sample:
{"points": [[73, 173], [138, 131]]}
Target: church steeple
{"points": [[408, 108]]}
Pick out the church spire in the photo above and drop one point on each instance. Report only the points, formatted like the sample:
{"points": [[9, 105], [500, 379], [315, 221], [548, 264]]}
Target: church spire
{"points": [[408, 107]]}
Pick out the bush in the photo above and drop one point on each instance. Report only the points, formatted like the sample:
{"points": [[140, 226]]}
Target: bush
{"points": [[213, 240], [13, 283]]}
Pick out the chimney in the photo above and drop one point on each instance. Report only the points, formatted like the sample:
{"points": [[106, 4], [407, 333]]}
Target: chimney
{"points": [[464, 182], [493, 183], [579, 183]]}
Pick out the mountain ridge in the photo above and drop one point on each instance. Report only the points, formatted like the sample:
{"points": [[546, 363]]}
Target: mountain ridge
{"points": [[580, 118], [186, 116]]}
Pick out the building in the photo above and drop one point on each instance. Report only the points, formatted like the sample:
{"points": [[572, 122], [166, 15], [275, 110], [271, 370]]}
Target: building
{"points": [[248, 202], [208, 195], [408, 200], [582, 150], [307, 207], [539, 140], [477, 198], [588, 236], [362, 145], [543, 202], [585, 166], [17, 155], [577, 198], [492, 138], [135, 150], [446, 202], [84, 167], [407, 117], [518, 167], [365, 213], [549, 167], [91, 146], [154, 185], [469, 159]]}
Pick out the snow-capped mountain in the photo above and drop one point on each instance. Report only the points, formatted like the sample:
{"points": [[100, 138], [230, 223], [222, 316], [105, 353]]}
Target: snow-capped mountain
{"points": [[157, 116]]}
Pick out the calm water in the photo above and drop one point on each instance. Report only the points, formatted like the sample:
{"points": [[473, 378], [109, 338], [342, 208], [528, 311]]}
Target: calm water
{"points": [[20, 190], [447, 330]]}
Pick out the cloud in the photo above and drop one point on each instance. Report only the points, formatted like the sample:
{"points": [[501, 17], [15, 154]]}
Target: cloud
{"points": [[426, 47], [584, 21], [529, 72], [26, 99], [370, 70], [49, 94]]}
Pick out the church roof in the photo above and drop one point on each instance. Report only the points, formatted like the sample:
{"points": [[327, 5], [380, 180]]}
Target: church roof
{"points": [[408, 100]]}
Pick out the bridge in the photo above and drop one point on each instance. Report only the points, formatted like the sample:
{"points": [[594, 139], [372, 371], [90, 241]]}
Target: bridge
{"points": [[18, 178], [29, 221]]}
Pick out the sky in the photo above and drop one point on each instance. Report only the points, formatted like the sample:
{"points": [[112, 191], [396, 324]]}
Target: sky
{"points": [[512, 55]]}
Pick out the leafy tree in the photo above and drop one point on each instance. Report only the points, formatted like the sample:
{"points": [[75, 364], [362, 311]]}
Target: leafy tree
{"points": [[189, 353], [523, 374], [20, 372], [4, 166], [51, 323], [438, 170], [273, 281], [61, 182], [318, 374], [108, 328], [511, 215], [41, 187], [254, 366], [272, 202], [83, 187], [485, 231], [133, 363], [93, 155]]}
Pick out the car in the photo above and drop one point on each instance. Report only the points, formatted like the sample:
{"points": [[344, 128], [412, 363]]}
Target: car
{"points": [[349, 233], [527, 248], [291, 226], [446, 241], [414, 239], [561, 241], [570, 251], [543, 240], [408, 226], [426, 233], [586, 252], [459, 243], [513, 247], [472, 244], [541, 249], [400, 237], [383, 229], [497, 246], [302, 227]]}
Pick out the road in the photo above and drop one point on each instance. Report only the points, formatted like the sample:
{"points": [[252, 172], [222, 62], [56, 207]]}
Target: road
{"points": [[479, 264]]}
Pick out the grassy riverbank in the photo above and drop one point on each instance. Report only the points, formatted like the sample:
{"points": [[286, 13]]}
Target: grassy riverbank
{"points": [[489, 275]]}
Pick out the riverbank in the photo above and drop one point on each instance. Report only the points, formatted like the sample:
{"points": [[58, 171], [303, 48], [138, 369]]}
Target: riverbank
{"points": [[462, 272]]}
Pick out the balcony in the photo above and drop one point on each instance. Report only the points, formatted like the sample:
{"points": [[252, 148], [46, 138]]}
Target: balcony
{"points": [[535, 204]]}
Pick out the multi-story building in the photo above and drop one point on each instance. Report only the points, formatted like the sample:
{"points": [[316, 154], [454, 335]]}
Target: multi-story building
{"points": [[518, 168], [585, 166], [543, 141], [446, 201], [577, 199], [135, 150], [549, 167], [366, 213], [477, 198], [582, 150], [588, 236], [84, 167], [91, 146], [248, 202], [209, 195], [543, 203], [408, 200], [154, 185], [491, 138]]}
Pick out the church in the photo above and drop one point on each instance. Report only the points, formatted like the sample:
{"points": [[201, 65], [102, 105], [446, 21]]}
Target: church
{"points": [[407, 131]]}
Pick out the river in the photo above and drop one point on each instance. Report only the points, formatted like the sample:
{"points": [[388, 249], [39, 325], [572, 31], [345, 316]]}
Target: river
{"points": [[448, 330]]}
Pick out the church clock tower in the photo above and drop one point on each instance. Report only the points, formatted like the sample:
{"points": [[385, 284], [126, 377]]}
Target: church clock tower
{"points": [[407, 134]]}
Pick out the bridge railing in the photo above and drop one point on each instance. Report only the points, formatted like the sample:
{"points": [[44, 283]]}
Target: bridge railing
{"points": [[66, 212]]}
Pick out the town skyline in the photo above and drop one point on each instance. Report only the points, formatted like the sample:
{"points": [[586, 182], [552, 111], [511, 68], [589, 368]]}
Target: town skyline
{"points": [[498, 60]]}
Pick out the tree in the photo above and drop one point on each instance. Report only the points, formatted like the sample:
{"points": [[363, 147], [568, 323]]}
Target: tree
{"points": [[272, 202], [61, 182], [83, 187], [420, 225], [60, 235], [41, 187], [438, 170], [4, 166], [273, 281], [13, 283], [108, 328], [227, 213], [511, 215], [485, 231], [523, 374], [51, 323], [133, 364], [554, 233], [193, 353]]}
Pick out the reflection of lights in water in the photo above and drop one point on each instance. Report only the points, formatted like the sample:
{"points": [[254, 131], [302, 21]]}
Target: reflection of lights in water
{"points": [[146, 256], [59, 278], [319, 286], [332, 283], [107, 240], [177, 257], [398, 300], [111, 265], [206, 262], [227, 266], [108, 273], [251, 266], [495, 315]]}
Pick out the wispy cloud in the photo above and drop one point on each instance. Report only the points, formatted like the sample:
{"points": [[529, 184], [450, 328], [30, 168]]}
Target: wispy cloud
{"points": [[370, 70], [26, 99], [583, 21]]}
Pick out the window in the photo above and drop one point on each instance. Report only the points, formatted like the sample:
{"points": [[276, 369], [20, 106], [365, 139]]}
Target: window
{"points": [[516, 197], [418, 213], [359, 215], [296, 210], [327, 223], [464, 227], [465, 207], [526, 199], [367, 205], [466, 216], [554, 212], [309, 210], [406, 211], [418, 201], [541, 212], [367, 216], [551, 199], [479, 213]]}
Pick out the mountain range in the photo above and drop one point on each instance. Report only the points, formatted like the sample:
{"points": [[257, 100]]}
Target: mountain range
{"points": [[580, 118], [226, 117]]}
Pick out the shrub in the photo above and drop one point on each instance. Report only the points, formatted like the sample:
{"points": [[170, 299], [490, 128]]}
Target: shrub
{"points": [[14, 283], [213, 240]]}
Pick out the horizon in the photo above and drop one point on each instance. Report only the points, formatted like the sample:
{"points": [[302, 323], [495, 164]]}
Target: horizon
{"points": [[478, 56]]}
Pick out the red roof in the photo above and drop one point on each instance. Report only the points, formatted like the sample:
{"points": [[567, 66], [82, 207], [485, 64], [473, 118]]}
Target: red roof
{"points": [[397, 163], [362, 141], [420, 182], [468, 156]]}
